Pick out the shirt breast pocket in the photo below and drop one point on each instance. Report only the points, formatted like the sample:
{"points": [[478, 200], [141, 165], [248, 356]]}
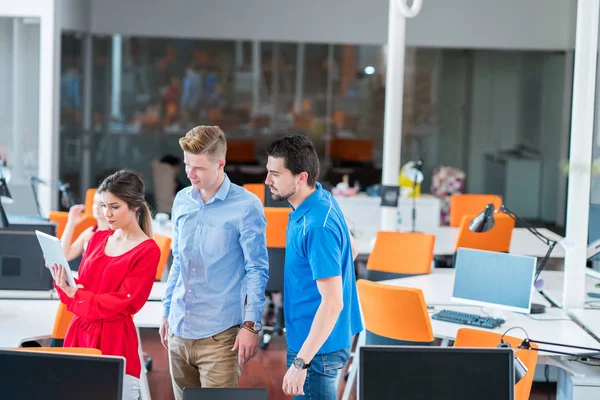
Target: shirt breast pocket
{"points": [[217, 240]]}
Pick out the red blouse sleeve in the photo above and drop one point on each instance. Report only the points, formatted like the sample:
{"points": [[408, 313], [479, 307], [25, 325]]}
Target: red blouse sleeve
{"points": [[131, 295], [62, 295]]}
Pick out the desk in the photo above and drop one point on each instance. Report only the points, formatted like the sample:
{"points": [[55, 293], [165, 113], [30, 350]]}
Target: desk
{"points": [[554, 287], [522, 242], [590, 319], [28, 294], [25, 319], [552, 326], [363, 213]]}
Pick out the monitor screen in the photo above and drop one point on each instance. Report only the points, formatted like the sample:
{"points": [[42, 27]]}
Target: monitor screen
{"points": [[432, 373], [58, 376], [224, 393], [492, 279], [22, 261]]}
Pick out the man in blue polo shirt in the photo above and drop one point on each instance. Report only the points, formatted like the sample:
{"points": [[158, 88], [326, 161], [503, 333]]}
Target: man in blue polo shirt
{"points": [[320, 298]]}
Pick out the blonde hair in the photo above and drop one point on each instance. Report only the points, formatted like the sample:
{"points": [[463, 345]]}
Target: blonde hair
{"points": [[203, 139]]}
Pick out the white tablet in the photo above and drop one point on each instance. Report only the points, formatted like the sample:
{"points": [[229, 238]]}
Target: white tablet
{"points": [[53, 254]]}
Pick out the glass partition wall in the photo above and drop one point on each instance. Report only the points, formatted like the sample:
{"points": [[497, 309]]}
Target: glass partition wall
{"points": [[460, 106]]}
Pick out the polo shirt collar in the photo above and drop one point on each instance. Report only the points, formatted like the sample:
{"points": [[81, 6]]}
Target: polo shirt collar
{"points": [[308, 203]]}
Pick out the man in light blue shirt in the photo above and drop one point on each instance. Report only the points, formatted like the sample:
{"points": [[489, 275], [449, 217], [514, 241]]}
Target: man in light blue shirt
{"points": [[215, 291]]}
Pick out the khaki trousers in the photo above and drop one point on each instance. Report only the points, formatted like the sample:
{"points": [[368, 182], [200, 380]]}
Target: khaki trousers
{"points": [[207, 362]]}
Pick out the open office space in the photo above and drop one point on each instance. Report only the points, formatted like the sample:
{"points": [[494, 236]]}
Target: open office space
{"points": [[458, 138]]}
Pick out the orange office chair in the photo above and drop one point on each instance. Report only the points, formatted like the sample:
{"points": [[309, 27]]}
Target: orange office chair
{"points": [[468, 337], [61, 218], [61, 324], [394, 315], [399, 254], [354, 150], [71, 350], [241, 151], [258, 189], [89, 201], [496, 239], [277, 221], [164, 244], [463, 204]]}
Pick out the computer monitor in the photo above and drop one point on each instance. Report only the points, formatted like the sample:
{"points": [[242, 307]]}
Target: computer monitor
{"points": [[22, 264], [492, 279], [432, 373], [224, 394], [59, 376]]}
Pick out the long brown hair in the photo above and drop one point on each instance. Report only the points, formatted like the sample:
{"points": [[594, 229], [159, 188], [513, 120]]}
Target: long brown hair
{"points": [[129, 187]]}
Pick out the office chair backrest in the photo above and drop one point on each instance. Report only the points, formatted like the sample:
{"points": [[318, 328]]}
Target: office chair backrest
{"points": [[277, 221], [61, 218], [496, 239], [224, 394], [394, 314], [397, 254], [468, 337], [463, 204], [258, 189], [164, 244], [69, 350], [241, 151], [62, 320], [351, 150], [89, 201]]}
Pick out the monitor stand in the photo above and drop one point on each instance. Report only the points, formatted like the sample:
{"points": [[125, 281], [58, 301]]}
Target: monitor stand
{"points": [[537, 308]]}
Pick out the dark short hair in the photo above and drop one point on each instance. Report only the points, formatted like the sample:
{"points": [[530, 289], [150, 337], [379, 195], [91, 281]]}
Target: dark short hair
{"points": [[299, 155]]}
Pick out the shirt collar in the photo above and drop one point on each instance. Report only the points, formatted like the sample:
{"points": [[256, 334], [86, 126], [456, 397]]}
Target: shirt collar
{"points": [[308, 203], [221, 193]]}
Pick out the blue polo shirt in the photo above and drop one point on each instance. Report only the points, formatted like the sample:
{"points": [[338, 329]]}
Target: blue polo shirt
{"points": [[318, 246]]}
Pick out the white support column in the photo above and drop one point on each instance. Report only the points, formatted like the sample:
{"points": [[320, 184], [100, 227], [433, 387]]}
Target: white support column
{"points": [[274, 83], [17, 161], [239, 54], [582, 129], [392, 128], [299, 78], [117, 66], [86, 138], [256, 77]]}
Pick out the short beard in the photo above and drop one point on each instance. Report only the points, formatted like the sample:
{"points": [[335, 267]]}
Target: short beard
{"points": [[279, 197]]}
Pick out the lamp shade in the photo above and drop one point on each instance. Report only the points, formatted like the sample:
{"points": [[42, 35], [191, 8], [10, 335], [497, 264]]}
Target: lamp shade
{"points": [[484, 221], [5, 196]]}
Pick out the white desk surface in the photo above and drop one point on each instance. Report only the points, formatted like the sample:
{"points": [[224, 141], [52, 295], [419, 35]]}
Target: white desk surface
{"points": [[588, 318], [522, 242], [25, 319], [28, 294], [553, 326], [554, 287], [438, 285]]}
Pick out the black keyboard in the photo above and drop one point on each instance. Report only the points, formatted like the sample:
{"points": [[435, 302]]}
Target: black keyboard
{"points": [[468, 319]]}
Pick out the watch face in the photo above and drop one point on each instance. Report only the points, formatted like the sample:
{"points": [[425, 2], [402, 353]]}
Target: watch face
{"points": [[298, 363], [257, 326]]}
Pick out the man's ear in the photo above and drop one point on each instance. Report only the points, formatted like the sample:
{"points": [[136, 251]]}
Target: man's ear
{"points": [[302, 177], [222, 164]]}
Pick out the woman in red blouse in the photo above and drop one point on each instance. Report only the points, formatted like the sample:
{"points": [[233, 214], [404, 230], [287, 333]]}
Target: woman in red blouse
{"points": [[115, 277]]}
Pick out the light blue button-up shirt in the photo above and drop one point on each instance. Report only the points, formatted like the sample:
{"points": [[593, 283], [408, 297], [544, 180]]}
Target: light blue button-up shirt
{"points": [[220, 263]]}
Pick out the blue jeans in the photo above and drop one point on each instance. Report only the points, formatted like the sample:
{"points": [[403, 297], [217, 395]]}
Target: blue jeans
{"points": [[321, 375]]}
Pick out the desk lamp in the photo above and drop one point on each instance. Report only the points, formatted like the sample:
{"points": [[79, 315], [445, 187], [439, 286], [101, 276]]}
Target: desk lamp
{"points": [[485, 221], [521, 370], [5, 196]]}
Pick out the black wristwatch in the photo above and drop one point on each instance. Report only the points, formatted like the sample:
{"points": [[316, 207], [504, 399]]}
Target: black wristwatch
{"points": [[300, 364]]}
